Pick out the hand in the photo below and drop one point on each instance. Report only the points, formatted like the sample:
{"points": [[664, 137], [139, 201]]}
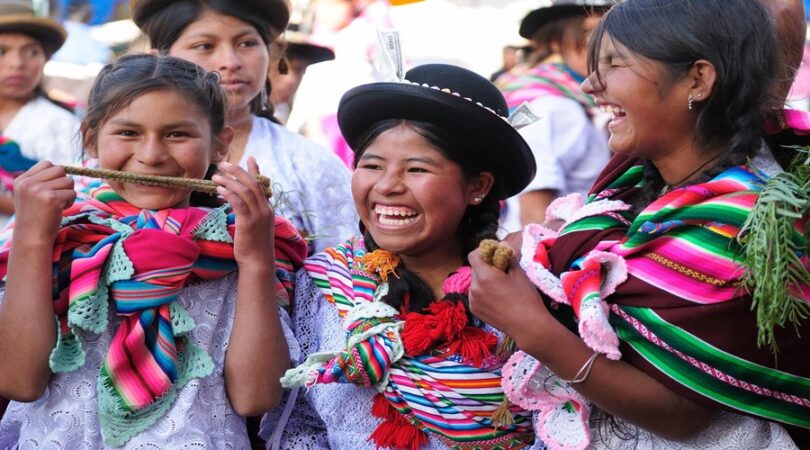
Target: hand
{"points": [[508, 301], [514, 240], [253, 244], [40, 196]]}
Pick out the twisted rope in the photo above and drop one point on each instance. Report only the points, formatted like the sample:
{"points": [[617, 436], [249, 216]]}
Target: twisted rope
{"points": [[193, 184]]}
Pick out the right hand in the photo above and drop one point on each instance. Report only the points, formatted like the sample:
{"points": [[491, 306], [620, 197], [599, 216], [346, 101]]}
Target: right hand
{"points": [[40, 196]]}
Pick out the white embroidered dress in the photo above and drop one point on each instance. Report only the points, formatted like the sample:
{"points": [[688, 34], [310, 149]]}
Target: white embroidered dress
{"points": [[66, 416]]}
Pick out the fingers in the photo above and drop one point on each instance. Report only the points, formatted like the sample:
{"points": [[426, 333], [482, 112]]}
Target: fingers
{"points": [[239, 187], [253, 167]]}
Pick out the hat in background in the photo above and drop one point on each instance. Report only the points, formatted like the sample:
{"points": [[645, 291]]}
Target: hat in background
{"points": [[300, 46], [456, 99], [17, 16], [275, 12], [560, 9]]}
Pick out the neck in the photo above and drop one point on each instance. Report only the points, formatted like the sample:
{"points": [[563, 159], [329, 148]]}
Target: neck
{"points": [[682, 166], [241, 121], [433, 268]]}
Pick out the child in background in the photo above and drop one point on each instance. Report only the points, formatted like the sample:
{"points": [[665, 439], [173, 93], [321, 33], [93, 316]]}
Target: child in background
{"points": [[195, 338]]}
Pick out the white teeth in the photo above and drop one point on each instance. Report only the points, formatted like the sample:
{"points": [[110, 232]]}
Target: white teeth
{"points": [[401, 212], [396, 222], [614, 110]]}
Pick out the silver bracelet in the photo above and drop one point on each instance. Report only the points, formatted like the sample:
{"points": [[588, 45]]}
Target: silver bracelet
{"points": [[584, 371]]}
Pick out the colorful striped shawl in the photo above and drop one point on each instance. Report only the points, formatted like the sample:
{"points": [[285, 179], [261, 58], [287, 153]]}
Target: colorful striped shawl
{"points": [[141, 259], [451, 400], [544, 79], [681, 312]]}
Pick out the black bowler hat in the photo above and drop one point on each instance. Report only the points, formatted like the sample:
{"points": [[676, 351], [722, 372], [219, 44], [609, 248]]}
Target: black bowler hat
{"points": [[560, 9], [455, 99]]}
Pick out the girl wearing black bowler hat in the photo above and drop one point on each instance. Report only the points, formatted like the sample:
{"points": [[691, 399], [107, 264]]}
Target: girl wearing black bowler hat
{"points": [[391, 356]]}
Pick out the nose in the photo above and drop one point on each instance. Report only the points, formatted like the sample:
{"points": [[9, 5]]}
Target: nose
{"points": [[152, 152], [15, 59], [591, 85], [390, 183], [229, 58]]}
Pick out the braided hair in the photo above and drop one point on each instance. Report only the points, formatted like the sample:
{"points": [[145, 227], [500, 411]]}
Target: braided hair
{"points": [[736, 36], [479, 221]]}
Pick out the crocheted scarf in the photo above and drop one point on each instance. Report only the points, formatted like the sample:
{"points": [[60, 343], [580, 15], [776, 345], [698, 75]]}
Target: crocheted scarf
{"points": [[544, 79], [436, 373], [666, 283], [141, 260]]}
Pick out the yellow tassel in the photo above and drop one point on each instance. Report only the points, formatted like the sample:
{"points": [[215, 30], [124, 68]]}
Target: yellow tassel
{"points": [[502, 417], [495, 253], [382, 262]]}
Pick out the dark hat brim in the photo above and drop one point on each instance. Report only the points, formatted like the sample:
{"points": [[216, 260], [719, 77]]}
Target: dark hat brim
{"points": [[309, 52], [275, 12], [497, 146], [542, 16], [48, 32]]}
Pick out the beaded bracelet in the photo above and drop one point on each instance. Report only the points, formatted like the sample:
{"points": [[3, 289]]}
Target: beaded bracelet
{"points": [[584, 371]]}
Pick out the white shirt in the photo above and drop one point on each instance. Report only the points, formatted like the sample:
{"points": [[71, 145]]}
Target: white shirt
{"points": [[311, 187], [569, 149], [201, 417]]}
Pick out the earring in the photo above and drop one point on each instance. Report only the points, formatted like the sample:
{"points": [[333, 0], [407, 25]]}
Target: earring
{"points": [[689, 101], [479, 198]]}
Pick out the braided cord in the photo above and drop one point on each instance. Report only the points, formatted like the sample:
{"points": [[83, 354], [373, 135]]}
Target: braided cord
{"points": [[193, 184]]}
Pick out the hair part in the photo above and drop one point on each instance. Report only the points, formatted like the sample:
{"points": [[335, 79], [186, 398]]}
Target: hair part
{"points": [[119, 83], [739, 41], [479, 222]]}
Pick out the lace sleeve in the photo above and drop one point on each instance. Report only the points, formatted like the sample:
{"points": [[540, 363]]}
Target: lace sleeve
{"points": [[295, 424]]}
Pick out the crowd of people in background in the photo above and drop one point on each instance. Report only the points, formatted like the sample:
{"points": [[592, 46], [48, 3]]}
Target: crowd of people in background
{"points": [[602, 245]]}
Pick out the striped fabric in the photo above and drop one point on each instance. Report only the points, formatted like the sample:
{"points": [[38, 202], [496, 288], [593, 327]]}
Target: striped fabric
{"points": [[142, 259], [442, 395], [545, 79], [685, 244]]}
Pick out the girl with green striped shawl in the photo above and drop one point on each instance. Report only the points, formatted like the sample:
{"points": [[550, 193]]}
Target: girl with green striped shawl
{"points": [[674, 297]]}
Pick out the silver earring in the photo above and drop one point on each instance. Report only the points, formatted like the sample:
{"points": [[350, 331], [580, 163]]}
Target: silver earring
{"points": [[689, 101], [479, 198]]}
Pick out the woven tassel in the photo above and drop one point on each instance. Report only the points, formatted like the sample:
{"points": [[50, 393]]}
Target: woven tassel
{"points": [[502, 417], [395, 431], [382, 262], [474, 345]]}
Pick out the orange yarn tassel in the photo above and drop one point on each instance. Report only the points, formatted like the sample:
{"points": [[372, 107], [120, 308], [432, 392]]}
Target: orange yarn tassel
{"points": [[382, 262]]}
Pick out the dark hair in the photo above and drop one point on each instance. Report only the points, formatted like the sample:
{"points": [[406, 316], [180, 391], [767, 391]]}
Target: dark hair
{"points": [[560, 31], [165, 26], [479, 222], [129, 77], [736, 36]]}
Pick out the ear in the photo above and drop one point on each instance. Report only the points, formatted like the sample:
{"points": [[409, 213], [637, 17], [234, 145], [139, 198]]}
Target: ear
{"points": [[479, 188], [702, 77], [91, 149], [221, 145]]}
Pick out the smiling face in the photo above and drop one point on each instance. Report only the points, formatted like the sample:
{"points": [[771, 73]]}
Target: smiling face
{"points": [[21, 61], [650, 115], [230, 46], [158, 133], [410, 197]]}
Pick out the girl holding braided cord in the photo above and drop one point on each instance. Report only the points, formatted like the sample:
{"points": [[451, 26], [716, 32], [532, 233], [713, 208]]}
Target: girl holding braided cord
{"points": [[168, 313]]}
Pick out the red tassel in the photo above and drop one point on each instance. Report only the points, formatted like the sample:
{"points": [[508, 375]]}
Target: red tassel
{"points": [[450, 319], [417, 335], [473, 346], [395, 431]]}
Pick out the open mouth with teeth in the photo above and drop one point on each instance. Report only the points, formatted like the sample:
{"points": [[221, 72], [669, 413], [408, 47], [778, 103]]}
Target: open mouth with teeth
{"points": [[399, 215], [615, 112]]}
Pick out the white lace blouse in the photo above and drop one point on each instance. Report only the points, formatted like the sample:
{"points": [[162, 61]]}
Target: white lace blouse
{"points": [[333, 416], [66, 416]]}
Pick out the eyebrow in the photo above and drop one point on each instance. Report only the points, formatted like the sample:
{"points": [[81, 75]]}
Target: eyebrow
{"points": [[206, 34], [423, 160], [131, 123]]}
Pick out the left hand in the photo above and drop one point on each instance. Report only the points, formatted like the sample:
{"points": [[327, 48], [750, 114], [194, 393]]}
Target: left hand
{"points": [[507, 301], [253, 242]]}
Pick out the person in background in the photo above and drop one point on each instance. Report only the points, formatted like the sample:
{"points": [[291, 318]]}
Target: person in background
{"points": [[232, 37], [80, 46], [296, 52], [32, 126], [569, 143], [658, 308]]}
